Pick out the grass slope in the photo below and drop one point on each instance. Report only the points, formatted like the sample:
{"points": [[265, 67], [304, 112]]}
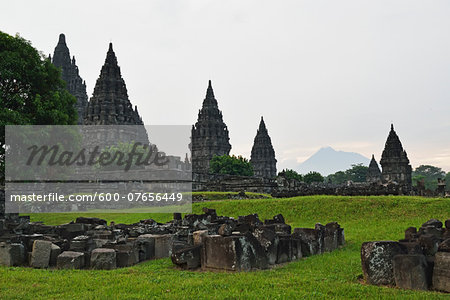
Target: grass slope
{"points": [[331, 275]]}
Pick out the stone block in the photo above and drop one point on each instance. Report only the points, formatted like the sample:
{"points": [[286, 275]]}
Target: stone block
{"points": [[284, 253], [146, 244], [377, 261], [412, 247], [429, 244], [55, 251], [411, 233], [444, 246], [92, 221], [441, 272], [12, 254], [411, 271], [70, 260], [103, 259], [433, 223], [40, 255], [308, 238], [188, 257], [296, 248], [199, 236], [234, 253], [269, 241], [127, 254], [225, 230], [163, 245], [447, 224]]}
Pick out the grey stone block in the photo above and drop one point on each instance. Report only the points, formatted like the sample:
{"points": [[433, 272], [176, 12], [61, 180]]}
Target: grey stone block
{"points": [[103, 259], [70, 260]]}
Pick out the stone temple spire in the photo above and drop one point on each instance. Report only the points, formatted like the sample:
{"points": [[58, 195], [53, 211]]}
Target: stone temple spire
{"points": [[70, 74], [109, 104], [209, 134], [263, 156], [394, 161], [373, 172]]}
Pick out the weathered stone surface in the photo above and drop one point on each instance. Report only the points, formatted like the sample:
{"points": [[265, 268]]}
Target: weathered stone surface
{"points": [[55, 251], [432, 223], [308, 238], [411, 271], [92, 221], [234, 253], [126, 254], [411, 233], [377, 261], [444, 246], [188, 257], [269, 240], [146, 244], [284, 253], [103, 259], [441, 272], [429, 244], [225, 230], [199, 236], [40, 256], [12, 254], [163, 245], [412, 247], [70, 260], [263, 156]]}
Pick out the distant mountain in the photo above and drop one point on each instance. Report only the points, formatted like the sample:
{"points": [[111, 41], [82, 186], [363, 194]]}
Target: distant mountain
{"points": [[328, 161]]}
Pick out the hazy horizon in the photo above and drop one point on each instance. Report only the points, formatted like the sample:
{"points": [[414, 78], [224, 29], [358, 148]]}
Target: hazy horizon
{"points": [[322, 73]]}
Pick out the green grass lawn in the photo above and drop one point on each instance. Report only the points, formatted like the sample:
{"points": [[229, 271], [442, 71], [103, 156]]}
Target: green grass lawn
{"points": [[331, 275]]}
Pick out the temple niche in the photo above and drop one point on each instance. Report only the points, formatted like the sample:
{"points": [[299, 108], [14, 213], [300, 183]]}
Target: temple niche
{"points": [[373, 172], [263, 156], [70, 74], [209, 134], [394, 162]]}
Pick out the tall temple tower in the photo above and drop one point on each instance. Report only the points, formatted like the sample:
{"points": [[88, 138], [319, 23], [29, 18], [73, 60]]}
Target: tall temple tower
{"points": [[263, 156], [70, 74], [209, 135], [373, 172], [109, 104], [394, 161]]}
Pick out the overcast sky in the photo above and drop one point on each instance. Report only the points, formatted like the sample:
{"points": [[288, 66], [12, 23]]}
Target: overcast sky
{"points": [[322, 73]]}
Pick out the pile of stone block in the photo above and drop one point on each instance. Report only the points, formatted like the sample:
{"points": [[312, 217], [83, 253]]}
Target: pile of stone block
{"points": [[420, 261], [206, 241], [247, 243]]}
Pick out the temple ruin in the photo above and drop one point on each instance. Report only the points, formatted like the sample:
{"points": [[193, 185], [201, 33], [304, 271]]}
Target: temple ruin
{"points": [[263, 158], [209, 134], [70, 74]]}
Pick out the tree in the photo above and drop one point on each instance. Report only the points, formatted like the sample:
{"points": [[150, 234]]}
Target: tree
{"points": [[429, 174], [313, 177], [31, 89], [231, 165], [357, 173], [447, 181], [291, 174]]}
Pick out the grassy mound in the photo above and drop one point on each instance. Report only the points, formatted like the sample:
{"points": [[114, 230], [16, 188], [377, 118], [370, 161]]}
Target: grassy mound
{"points": [[331, 275]]}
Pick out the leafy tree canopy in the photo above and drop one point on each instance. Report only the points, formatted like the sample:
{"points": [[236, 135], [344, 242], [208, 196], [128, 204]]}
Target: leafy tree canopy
{"points": [[31, 89], [231, 165], [313, 177], [291, 174], [429, 175], [357, 173]]}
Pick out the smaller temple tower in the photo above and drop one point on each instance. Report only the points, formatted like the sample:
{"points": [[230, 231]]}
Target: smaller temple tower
{"points": [[394, 161], [209, 135], [263, 156], [70, 74], [373, 173]]}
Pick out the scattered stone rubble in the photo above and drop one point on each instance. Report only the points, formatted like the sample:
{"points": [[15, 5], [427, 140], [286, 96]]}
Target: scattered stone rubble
{"points": [[420, 261], [205, 241]]}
